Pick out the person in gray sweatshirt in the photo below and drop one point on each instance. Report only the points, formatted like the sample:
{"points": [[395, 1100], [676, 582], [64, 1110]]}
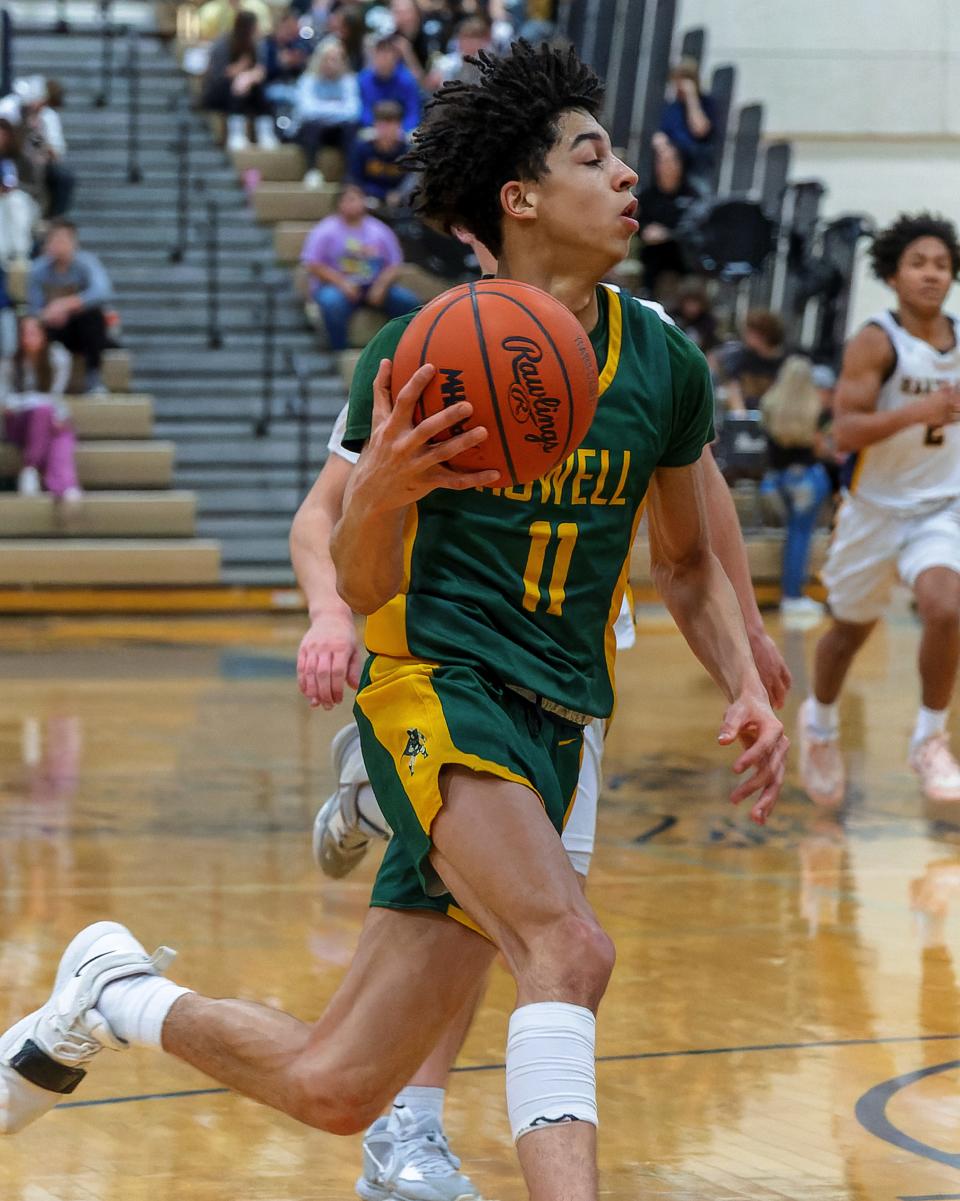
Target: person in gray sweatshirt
{"points": [[66, 291]]}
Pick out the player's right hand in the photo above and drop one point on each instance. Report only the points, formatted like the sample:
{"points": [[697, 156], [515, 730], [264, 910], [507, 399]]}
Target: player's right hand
{"points": [[329, 656], [941, 407], [399, 463]]}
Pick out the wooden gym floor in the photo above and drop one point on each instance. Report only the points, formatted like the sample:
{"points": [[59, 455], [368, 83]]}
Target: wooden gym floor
{"points": [[783, 1023]]}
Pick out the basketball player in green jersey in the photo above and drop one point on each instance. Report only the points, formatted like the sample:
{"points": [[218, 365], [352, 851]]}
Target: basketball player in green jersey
{"points": [[493, 719]]}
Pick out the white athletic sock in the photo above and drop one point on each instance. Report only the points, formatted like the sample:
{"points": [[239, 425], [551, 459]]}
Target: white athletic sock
{"points": [[137, 1006], [551, 1066], [822, 720], [929, 722], [422, 1099]]}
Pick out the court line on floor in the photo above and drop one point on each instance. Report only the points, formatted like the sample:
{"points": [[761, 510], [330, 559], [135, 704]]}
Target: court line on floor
{"points": [[871, 1113], [689, 1053]]}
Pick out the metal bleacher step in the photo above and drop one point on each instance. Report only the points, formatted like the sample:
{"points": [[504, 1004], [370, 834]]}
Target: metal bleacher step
{"points": [[112, 464], [238, 528], [222, 451], [205, 401], [252, 576], [103, 561], [274, 202], [113, 416], [100, 515], [234, 500]]}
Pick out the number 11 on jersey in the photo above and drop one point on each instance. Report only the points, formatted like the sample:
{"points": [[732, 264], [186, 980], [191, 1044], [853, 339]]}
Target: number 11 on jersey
{"points": [[541, 535]]}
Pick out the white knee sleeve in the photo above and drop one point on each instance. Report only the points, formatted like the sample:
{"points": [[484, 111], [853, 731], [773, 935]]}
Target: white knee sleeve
{"points": [[551, 1066]]}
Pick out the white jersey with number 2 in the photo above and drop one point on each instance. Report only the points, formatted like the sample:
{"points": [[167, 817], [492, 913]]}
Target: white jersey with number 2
{"points": [[917, 469]]}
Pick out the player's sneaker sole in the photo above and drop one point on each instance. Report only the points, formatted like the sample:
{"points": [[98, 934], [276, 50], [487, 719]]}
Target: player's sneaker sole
{"points": [[32, 1080]]}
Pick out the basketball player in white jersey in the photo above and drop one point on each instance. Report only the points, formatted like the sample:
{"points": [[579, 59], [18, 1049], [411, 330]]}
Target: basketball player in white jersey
{"points": [[897, 407], [405, 1155]]}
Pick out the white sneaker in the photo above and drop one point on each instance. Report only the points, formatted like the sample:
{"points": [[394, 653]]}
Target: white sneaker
{"points": [[822, 773], [800, 613], [71, 502], [266, 133], [237, 133], [42, 1057], [937, 768], [342, 829], [28, 482], [406, 1158], [314, 178]]}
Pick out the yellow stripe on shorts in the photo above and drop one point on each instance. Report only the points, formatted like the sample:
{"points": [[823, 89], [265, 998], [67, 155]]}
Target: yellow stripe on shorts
{"points": [[401, 694]]}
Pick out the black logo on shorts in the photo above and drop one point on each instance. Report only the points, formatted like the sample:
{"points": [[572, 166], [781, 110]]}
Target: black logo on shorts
{"points": [[564, 1117], [415, 746]]}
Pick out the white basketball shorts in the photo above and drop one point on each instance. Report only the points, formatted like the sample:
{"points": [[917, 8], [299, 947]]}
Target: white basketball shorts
{"points": [[579, 834], [872, 548]]}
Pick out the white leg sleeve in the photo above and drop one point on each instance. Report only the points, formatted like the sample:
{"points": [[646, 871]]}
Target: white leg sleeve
{"points": [[551, 1066]]}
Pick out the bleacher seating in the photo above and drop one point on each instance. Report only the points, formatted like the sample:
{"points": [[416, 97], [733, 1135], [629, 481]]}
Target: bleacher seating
{"points": [[130, 527]]}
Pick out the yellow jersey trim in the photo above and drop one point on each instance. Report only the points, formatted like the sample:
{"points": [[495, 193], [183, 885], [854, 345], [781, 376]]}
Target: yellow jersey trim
{"points": [[386, 632], [397, 689], [858, 469], [614, 339]]}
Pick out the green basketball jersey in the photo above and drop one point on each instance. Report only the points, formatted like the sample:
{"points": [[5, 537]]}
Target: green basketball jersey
{"points": [[525, 582]]}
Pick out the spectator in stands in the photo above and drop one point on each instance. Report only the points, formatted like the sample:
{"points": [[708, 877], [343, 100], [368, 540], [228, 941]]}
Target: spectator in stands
{"points": [[688, 120], [375, 157], [792, 415], [473, 35], [218, 17], [346, 22], [235, 84], [44, 144], [287, 52], [693, 315], [352, 259], [19, 216], [8, 319], [11, 151], [661, 209], [58, 178], [417, 46], [66, 292], [35, 418], [31, 110], [747, 368], [326, 110], [387, 78]]}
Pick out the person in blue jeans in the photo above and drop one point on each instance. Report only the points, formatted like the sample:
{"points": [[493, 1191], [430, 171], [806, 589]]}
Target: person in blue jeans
{"points": [[796, 481], [353, 259]]}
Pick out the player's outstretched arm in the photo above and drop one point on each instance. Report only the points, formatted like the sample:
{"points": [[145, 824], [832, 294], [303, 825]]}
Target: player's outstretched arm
{"points": [[857, 424], [329, 654], [702, 601], [399, 465], [726, 539]]}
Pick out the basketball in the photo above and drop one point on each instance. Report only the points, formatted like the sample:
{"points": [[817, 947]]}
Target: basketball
{"points": [[520, 358]]}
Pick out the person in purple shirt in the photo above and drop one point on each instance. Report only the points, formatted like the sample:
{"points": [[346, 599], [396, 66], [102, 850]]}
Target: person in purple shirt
{"points": [[387, 78], [353, 259]]}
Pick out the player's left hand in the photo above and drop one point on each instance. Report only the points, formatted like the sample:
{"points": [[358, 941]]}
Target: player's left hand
{"points": [[751, 720], [773, 671]]}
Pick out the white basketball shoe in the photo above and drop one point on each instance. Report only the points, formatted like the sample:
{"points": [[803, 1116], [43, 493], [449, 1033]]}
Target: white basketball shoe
{"points": [[406, 1158], [44, 1056], [348, 820]]}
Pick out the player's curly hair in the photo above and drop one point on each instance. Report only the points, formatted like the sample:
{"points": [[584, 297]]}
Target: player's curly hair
{"points": [[477, 136], [890, 243]]}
